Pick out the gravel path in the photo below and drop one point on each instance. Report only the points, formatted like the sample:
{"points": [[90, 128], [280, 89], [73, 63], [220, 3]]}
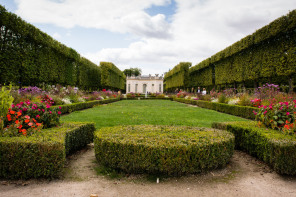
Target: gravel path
{"points": [[243, 176]]}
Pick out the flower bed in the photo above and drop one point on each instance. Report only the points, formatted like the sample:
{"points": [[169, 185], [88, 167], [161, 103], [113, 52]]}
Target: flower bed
{"points": [[275, 148], [163, 149], [80, 106], [42, 154]]}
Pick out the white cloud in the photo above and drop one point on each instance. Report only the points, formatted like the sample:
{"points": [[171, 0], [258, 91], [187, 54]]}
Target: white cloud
{"points": [[198, 29], [124, 16]]}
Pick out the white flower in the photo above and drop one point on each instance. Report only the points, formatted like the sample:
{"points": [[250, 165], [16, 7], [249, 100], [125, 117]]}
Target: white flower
{"points": [[66, 100], [233, 101], [80, 99], [215, 100]]}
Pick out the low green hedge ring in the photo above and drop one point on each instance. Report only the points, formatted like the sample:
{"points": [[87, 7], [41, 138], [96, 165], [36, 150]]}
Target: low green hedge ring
{"points": [[172, 150]]}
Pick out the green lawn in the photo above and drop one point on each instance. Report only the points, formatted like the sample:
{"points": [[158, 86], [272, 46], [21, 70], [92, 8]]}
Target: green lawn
{"points": [[154, 112]]}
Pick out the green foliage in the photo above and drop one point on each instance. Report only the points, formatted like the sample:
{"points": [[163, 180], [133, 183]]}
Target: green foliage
{"points": [[132, 72], [5, 102], [43, 154], [268, 55], [112, 77], [178, 77], [275, 148], [222, 98], [241, 111], [29, 56], [163, 149]]}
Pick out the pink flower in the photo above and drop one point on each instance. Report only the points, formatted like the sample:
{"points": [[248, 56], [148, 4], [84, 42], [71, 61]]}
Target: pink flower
{"points": [[59, 112], [50, 112], [39, 109], [37, 116], [288, 113], [47, 106], [61, 108], [265, 112], [12, 106], [286, 103], [27, 117], [265, 107], [43, 110], [255, 112]]}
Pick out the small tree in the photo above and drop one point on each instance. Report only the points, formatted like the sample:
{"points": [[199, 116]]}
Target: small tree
{"points": [[132, 72]]}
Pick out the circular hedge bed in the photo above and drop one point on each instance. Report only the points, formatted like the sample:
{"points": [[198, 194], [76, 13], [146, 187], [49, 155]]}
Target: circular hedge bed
{"points": [[172, 150]]}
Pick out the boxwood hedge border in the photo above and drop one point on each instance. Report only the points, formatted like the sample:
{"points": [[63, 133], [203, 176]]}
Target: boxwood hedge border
{"points": [[42, 155], [274, 148]]}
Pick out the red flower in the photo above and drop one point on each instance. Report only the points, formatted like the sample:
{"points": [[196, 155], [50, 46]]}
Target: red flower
{"points": [[12, 112], [17, 121], [8, 117], [19, 113], [104, 90], [27, 120]]}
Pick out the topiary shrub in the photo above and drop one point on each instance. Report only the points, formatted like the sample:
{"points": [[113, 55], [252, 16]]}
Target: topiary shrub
{"points": [[171, 150]]}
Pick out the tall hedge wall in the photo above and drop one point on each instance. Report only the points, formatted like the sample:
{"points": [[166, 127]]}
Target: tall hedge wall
{"points": [[268, 55], [178, 77], [111, 76], [29, 56]]}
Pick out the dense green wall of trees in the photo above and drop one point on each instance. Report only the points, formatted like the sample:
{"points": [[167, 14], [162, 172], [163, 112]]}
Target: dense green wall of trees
{"points": [[112, 77], [268, 55], [178, 77], [29, 56]]}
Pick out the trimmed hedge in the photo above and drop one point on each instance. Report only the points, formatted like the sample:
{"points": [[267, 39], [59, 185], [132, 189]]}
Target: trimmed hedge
{"points": [[42, 154], [149, 98], [112, 77], [80, 106], [266, 56], [275, 148], [178, 77], [29, 56], [241, 111], [163, 149]]}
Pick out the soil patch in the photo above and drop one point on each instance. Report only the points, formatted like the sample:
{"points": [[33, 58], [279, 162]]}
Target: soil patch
{"points": [[243, 176]]}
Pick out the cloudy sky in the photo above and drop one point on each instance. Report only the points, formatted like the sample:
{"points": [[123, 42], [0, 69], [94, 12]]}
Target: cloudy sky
{"points": [[154, 35]]}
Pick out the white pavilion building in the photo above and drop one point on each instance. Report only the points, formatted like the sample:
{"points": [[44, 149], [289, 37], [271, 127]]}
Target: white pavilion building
{"points": [[144, 83]]}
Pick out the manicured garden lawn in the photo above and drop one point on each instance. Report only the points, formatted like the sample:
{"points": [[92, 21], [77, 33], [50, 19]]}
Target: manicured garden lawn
{"points": [[154, 112]]}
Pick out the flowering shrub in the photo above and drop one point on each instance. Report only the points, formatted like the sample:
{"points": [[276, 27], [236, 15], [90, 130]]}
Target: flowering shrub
{"points": [[182, 94], [280, 116], [26, 118], [130, 95], [256, 102], [47, 100], [267, 91]]}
